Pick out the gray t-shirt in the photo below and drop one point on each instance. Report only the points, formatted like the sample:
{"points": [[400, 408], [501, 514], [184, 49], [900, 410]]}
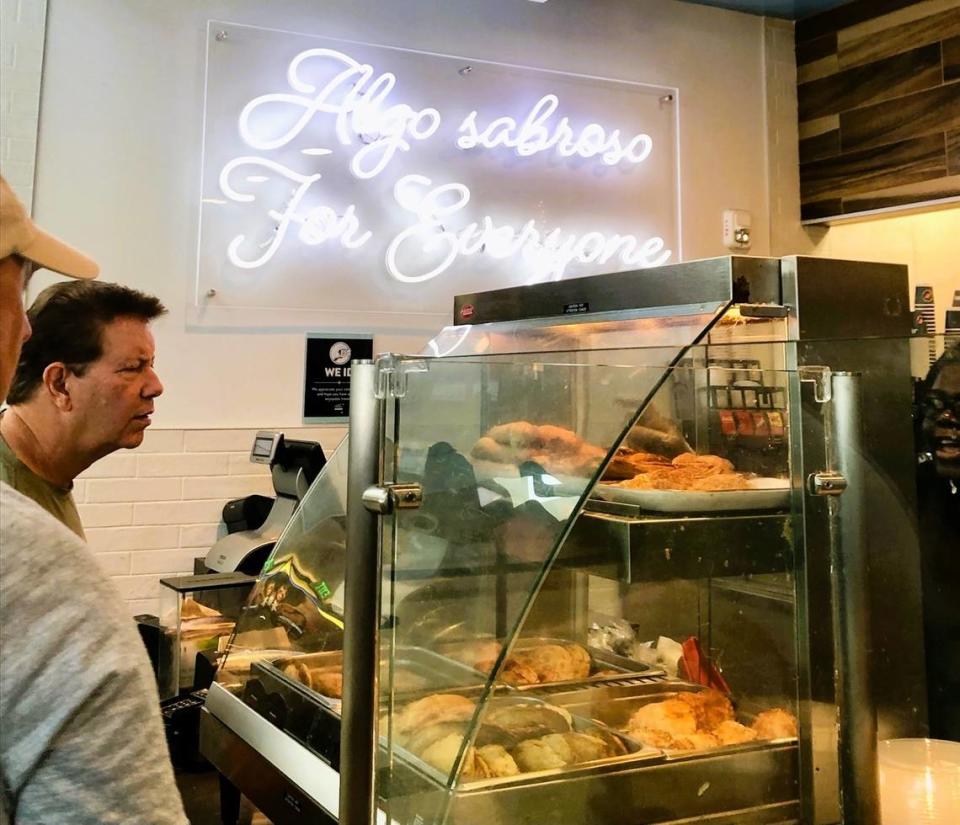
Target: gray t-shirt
{"points": [[81, 740]]}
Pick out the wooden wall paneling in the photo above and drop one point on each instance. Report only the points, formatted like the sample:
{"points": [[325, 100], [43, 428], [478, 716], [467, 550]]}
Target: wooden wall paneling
{"points": [[818, 210], [951, 59], [881, 23], [891, 77], [868, 48], [932, 190], [879, 106], [953, 152], [809, 51], [922, 113], [825, 145], [895, 164], [843, 17]]}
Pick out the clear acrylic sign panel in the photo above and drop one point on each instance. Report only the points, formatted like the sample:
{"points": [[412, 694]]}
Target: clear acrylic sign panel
{"points": [[351, 185]]}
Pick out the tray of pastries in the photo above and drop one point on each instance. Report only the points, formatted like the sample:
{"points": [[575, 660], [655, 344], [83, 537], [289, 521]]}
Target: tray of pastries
{"points": [[682, 719], [689, 482], [518, 738], [414, 670], [535, 662]]}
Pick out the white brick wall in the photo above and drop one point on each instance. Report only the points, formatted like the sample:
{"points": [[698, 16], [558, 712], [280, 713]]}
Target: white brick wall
{"points": [[149, 512], [22, 32]]}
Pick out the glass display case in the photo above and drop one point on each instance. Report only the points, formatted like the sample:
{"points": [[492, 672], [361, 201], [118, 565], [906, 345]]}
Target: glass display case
{"points": [[620, 568]]}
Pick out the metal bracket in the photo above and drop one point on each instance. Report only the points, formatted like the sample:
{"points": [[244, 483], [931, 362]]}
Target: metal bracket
{"points": [[821, 378], [383, 499], [826, 483], [392, 372]]}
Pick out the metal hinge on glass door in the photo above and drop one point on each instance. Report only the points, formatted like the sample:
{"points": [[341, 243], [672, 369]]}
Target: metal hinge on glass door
{"points": [[392, 372], [383, 499], [822, 380], [828, 482]]}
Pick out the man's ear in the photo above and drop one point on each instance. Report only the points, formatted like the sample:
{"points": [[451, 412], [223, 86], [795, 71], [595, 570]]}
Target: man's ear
{"points": [[55, 383]]}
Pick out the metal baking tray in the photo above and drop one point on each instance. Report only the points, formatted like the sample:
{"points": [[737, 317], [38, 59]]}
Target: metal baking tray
{"points": [[635, 752], [416, 671], [613, 707], [625, 671]]}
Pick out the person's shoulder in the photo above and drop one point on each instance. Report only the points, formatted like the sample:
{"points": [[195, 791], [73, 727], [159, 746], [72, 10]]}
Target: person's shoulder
{"points": [[19, 512], [31, 536]]}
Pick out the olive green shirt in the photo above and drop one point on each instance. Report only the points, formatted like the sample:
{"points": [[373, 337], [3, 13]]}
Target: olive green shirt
{"points": [[57, 501]]}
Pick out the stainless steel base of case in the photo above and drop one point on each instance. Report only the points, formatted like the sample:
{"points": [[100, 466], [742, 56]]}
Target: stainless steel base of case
{"points": [[745, 788], [258, 780]]}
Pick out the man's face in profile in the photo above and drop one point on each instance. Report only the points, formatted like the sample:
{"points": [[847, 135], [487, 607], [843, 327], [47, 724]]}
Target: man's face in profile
{"points": [[942, 420]]}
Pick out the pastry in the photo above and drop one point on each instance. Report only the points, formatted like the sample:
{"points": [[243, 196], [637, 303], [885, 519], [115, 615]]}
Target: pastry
{"points": [[720, 483], [672, 716], [298, 671], [537, 755], [775, 724], [527, 721], [438, 707], [541, 664], [327, 680], [558, 750], [422, 738], [498, 760], [555, 663], [442, 754], [710, 706], [731, 732], [476, 654], [695, 742], [517, 673]]}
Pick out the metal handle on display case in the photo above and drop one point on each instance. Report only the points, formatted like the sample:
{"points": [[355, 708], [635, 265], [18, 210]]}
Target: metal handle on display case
{"points": [[859, 790], [358, 734]]}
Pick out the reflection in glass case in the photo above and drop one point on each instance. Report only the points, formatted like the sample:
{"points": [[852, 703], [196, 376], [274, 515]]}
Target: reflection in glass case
{"points": [[197, 615], [579, 572]]}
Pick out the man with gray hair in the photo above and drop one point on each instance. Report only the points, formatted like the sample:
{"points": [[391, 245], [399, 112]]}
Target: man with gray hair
{"points": [[81, 740]]}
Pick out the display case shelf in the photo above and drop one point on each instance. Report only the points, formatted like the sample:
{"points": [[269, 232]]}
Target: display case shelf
{"points": [[615, 541]]}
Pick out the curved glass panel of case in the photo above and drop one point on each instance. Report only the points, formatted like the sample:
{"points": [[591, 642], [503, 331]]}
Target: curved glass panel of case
{"points": [[291, 630], [581, 626]]}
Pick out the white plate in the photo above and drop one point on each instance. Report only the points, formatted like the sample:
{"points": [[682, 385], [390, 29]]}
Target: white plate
{"points": [[765, 494]]}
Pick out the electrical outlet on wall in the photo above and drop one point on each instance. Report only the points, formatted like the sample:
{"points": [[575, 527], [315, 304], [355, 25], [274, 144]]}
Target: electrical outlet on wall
{"points": [[736, 229]]}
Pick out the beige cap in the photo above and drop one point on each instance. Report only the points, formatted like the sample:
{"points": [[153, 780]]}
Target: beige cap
{"points": [[21, 236]]}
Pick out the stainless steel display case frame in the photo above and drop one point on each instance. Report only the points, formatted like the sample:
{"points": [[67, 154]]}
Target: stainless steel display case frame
{"points": [[817, 299]]}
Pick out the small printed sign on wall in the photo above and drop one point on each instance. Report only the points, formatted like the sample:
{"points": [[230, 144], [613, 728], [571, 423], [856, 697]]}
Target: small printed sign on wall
{"points": [[326, 385]]}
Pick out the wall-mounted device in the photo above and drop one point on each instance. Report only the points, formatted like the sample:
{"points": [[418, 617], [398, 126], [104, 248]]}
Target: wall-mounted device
{"points": [[265, 447], [736, 229]]}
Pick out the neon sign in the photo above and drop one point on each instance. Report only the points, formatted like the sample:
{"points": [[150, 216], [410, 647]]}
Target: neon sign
{"points": [[533, 135], [335, 106]]}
